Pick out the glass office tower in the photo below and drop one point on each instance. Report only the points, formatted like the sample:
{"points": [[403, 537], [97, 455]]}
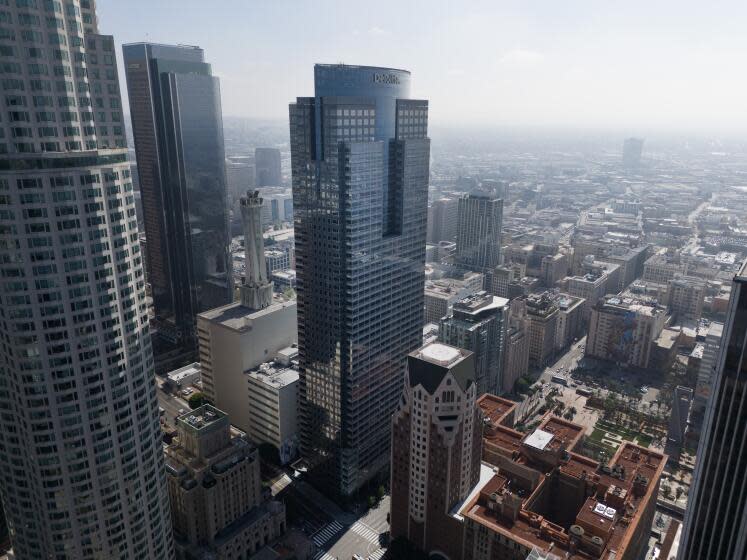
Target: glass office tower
{"points": [[359, 158], [716, 518], [80, 442], [178, 132]]}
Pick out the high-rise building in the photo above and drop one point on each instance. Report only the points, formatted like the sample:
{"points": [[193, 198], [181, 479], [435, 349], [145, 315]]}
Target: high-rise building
{"points": [[81, 453], [436, 448], [216, 492], [516, 363], [685, 296], [480, 218], [267, 167], [178, 133], [624, 330], [478, 323], [680, 415], [706, 372], [441, 294], [716, 517], [542, 323], [442, 219], [359, 159], [632, 151]]}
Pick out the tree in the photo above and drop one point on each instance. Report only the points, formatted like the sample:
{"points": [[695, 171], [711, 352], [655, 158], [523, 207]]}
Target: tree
{"points": [[196, 400], [381, 492], [371, 501], [521, 386]]}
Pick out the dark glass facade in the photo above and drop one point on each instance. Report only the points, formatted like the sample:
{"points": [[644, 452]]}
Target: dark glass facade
{"points": [[716, 520], [178, 132], [359, 159], [480, 219]]}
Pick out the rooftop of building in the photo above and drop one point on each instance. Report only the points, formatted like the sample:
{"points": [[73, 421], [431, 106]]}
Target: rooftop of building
{"points": [[428, 365], [185, 372], [640, 306], [274, 375], [237, 317], [201, 417], [479, 302], [601, 505], [496, 410]]}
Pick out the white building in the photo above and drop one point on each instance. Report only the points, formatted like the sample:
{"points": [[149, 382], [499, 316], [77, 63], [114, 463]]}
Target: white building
{"points": [[185, 376], [81, 456], [273, 408], [235, 339]]}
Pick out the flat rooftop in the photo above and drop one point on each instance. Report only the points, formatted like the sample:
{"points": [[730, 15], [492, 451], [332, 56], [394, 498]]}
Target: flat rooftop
{"points": [[273, 376], [239, 318], [540, 507], [201, 417], [496, 410]]}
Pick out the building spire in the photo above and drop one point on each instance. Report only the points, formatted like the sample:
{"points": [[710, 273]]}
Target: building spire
{"points": [[256, 290]]}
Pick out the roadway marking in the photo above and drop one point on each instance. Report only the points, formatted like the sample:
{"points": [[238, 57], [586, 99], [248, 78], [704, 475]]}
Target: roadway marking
{"points": [[324, 535], [377, 555], [365, 531]]}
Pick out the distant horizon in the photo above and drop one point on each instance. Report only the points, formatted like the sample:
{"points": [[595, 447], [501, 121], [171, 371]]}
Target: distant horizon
{"points": [[644, 66]]}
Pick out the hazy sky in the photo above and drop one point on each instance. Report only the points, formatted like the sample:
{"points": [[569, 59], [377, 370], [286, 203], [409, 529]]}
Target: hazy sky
{"points": [[628, 64]]}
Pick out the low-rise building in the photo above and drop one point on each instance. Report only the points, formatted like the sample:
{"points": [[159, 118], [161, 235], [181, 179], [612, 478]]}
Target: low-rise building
{"points": [[184, 376]]}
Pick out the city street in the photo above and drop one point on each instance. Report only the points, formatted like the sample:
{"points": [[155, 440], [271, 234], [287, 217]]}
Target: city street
{"points": [[362, 537], [170, 403]]}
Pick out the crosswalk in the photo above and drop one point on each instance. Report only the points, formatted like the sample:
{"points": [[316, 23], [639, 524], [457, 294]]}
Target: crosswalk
{"points": [[365, 531], [376, 555], [323, 535], [321, 555]]}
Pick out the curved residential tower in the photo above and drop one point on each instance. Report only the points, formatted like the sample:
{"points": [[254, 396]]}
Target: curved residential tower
{"points": [[81, 461]]}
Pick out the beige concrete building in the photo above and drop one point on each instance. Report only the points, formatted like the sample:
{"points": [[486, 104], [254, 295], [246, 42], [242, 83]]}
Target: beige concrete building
{"points": [[273, 408], [517, 353], [662, 267], [570, 320], [590, 287], [685, 296], [542, 320], [624, 330], [215, 491], [441, 294], [553, 268], [234, 339]]}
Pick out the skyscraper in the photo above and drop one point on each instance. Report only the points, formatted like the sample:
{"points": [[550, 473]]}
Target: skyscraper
{"points": [[716, 517], [436, 447], [81, 452], [359, 158], [632, 151], [478, 323], [178, 131], [480, 217], [267, 166]]}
